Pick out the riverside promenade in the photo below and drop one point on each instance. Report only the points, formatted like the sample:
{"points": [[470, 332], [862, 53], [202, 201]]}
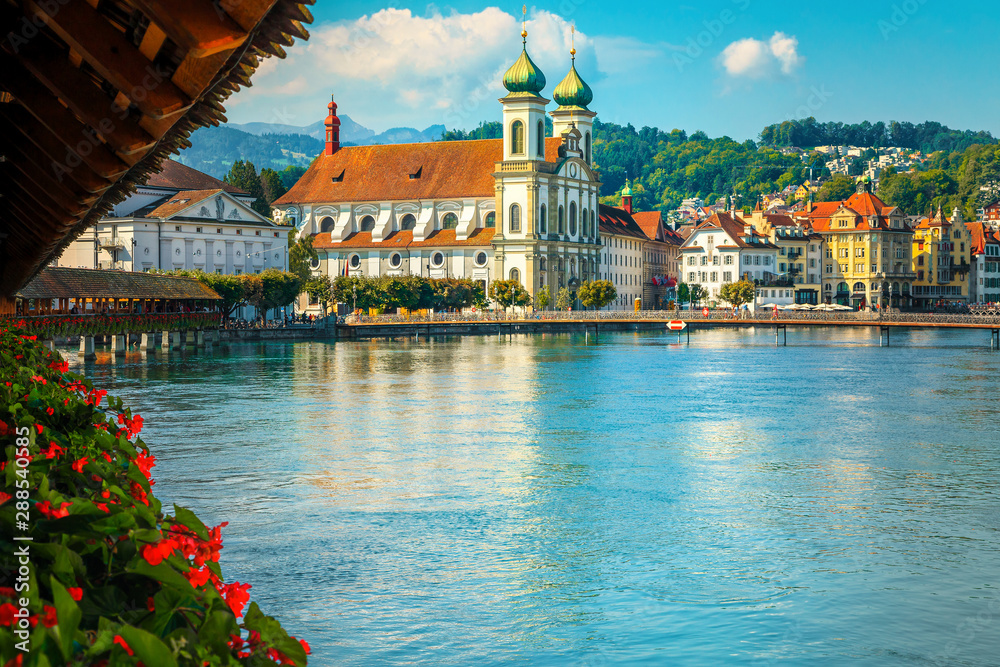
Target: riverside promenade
{"points": [[390, 326]]}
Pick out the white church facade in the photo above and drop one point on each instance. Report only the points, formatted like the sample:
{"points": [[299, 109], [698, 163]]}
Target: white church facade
{"points": [[524, 207]]}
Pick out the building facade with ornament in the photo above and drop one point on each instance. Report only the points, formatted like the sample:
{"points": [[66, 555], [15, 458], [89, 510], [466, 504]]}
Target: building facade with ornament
{"points": [[523, 207]]}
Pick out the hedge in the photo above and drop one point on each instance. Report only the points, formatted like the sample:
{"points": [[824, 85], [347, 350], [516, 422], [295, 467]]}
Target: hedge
{"points": [[101, 575]]}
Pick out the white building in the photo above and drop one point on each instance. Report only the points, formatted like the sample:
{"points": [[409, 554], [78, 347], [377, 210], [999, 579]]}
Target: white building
{"points": [[725, 249], [523, 207], [984, 278]]}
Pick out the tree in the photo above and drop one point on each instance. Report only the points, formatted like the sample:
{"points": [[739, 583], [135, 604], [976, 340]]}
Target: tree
{"points": [[509, 293], [597, 294], [564, 300], [683, 293], [543, 297], [230, 288], [272, 186], [277, 288], [738, 293], [320, 288], [290, 175], [243, 175], [301, 255], [838, 188], [697, 293]]}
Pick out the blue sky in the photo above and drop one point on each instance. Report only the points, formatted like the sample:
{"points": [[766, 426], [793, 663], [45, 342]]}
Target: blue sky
{"points": [[723, 66]]}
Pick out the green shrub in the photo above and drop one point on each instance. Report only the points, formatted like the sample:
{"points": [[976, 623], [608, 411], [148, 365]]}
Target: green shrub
{"points": [[108, 578]]}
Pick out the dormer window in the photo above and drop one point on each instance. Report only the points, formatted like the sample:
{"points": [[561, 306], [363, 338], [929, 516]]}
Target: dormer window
{"points": [[415, 175], [339, 178]]}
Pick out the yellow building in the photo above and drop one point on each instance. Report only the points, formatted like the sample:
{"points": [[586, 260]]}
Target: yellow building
{"points": [[806, 189], [867, 251], [941, 261], [800, 252]]}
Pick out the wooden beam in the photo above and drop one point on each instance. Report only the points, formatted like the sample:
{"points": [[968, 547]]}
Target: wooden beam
{"points": [[115, 58], [198, 26], [79, 92], [81, 144], [57, 207], [21, 123], [247, 13], [67, 194]]}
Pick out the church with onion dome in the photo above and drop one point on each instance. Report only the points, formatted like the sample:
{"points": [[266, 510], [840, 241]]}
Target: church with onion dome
{"points": [[524, 207]]}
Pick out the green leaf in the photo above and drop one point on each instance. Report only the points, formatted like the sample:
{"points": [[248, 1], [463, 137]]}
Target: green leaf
{"points": [[187, 518], [69, 617], [162, 573], [147, 647], [216, 630]]}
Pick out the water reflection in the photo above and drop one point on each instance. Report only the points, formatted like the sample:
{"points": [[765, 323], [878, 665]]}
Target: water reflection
{"points": [[549, 500]]}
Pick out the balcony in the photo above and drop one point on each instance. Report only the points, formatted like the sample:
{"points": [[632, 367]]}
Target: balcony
{"points": [[110, 243]]}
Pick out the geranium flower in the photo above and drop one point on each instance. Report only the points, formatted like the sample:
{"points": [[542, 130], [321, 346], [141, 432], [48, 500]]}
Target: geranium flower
{"points": [[79, 463], [121, 642], [51, 512], [7, 611], [155, 553], [75, 593], [145, 462], [4, 497], [236, 596]]}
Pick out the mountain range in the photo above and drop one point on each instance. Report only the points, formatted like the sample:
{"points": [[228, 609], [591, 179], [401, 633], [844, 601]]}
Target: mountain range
{"points": [[279, 145]]}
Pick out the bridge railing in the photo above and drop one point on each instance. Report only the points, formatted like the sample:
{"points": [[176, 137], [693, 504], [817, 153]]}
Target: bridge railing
{"points": [[50, 326], [981, 317]]}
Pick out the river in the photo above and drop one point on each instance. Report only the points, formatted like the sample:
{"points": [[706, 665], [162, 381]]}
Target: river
{"points": [[546, 500]]}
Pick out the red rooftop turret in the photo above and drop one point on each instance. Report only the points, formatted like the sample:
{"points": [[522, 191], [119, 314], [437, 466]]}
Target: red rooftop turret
{"points": [[332, 129]]}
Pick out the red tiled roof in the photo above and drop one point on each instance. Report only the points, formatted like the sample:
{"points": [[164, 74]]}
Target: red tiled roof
{"points": [[649, 221], [863, 205], [174, 175], [383, 173], [618, 221], [734, 227], [181, 201], [404, 239], [66, 282], [981, 236]]}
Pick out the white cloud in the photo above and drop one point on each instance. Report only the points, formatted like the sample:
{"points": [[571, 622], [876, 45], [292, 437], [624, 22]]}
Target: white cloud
{"points": [[393, 68], [756, 59]]}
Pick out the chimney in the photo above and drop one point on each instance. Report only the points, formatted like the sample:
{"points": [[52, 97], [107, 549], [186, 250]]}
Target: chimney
{"points": [[332, 129]]}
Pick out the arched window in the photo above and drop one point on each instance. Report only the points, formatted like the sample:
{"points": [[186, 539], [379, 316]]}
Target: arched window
{"points": [[584, 220], [292, 216], [326, 224], [587, 146], [367, 223], [450, 221], [515, 275], [562, 222], [408, 222], [593, 224], [572, 218], [517, 138], [541, 264], [515, 218], [540, 148], [842, 287], [543, 222], [491, 220], [859, 287], [895, 286]]}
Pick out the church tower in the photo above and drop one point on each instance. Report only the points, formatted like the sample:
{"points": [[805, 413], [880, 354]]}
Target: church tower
{"points": [[332, 124], [523, 108], [573, 95]]}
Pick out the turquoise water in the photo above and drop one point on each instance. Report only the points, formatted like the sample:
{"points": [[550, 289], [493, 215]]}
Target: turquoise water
{"points": [[545, 501]]}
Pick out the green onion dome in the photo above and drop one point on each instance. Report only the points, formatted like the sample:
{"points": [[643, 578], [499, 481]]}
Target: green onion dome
{"points": [[524, 76], [573, 91], [626, 191]]}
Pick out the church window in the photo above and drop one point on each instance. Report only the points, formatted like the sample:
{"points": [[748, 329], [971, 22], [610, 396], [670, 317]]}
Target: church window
{"points": [[326, 224], [437, 259], [408, 222], [583, 223], [481, 258], [515, 218], [572, 218], [367, 223], [543, 222], [562, 222], [587, 146], [517, 138], [355, 261], [491, 220], [450, 221], [593, 224], [395, 260], [541, 139], [515, 275]]}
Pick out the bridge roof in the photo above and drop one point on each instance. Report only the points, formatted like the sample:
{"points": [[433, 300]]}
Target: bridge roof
{"points": [[69, 283]]}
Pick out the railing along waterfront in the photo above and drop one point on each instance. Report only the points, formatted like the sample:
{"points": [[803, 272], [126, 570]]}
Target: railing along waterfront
{"points": [[986, 316]]}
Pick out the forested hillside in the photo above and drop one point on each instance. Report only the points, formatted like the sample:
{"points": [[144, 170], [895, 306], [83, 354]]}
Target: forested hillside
{"points": [[927, 137], [214, 150]]}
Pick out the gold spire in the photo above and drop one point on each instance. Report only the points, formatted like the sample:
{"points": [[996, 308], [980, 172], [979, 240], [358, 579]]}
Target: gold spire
{"points": [[524, 23], [572, 40]]}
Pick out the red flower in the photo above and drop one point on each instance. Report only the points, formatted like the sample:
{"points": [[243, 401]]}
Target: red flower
{"points": [[145, 462], [155, 553], [121, 642], [150, 604], [305, 646], [198, 577], [102, 507], [50, 411], [79, 463], [8, 592], [75, 593], [235, 595], [51, 512], [49, 619], [139, 493], [7, 611], [4, 497], [39, 427], [59, 366]]}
